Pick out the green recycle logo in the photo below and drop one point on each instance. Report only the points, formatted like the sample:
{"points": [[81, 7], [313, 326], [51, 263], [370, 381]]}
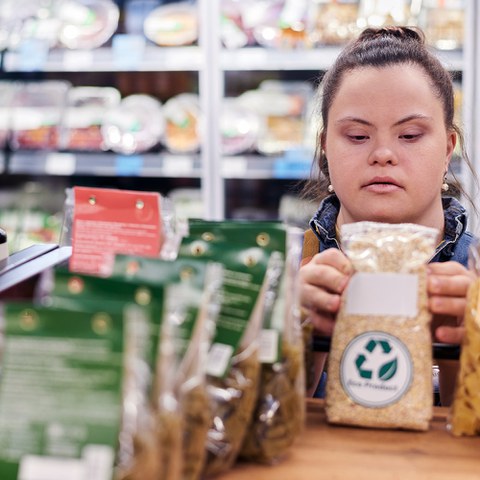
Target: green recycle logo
{"points": [[386, 370]]}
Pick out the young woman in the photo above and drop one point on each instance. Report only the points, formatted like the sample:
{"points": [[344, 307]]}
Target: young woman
{"points": [[383, 154]]}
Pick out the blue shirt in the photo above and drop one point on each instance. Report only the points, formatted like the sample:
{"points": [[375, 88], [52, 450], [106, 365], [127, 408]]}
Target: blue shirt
{"points": [[454, 246]]}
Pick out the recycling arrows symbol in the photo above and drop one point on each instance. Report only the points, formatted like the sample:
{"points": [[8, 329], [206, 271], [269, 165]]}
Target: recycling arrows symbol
{"points": [[386, 371]]}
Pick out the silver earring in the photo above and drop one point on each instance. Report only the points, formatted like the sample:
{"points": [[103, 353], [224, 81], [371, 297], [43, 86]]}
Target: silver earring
{"points": [[330, 189], [445, 186]]}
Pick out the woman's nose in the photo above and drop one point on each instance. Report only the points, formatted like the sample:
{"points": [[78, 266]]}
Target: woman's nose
{"points": [[383, 155]]}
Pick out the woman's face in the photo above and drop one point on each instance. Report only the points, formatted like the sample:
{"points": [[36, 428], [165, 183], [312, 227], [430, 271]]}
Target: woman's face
{"points": [[387, 146]]}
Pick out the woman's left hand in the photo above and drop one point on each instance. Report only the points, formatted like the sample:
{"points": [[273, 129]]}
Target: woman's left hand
{"points": [[447, 287]]}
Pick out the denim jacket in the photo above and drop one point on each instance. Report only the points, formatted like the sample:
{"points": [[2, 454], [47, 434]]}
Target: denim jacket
{"points": [[454, 246]]}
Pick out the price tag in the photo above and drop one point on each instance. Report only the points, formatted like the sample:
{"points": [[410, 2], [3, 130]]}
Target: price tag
{"points": [[128, 50], [128, 165], [234, 167], [176, 166], [33, 55], [60, 164], [77, 59]]}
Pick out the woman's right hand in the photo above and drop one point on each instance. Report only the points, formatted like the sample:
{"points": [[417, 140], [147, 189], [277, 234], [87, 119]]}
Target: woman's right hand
{"points": [[322, 281]]}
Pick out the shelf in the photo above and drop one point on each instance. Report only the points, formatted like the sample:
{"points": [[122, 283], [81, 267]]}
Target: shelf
{"points": [[286, 166], [152, 58], [104, 164], [264, 59], [294, 165], [141, 58]]}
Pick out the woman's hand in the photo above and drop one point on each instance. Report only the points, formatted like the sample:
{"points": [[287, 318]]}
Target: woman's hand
{"points": [[447, 286], [322, 281]]}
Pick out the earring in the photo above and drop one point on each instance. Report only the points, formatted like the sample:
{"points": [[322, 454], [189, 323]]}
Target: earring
{"points": [[445, 186], [330, 189]]}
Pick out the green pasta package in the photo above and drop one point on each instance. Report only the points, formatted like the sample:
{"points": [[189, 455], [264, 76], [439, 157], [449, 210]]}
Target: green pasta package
{"points": [[380, 362], [61, 391], [191, 304], [233, 366], [279, 413]]}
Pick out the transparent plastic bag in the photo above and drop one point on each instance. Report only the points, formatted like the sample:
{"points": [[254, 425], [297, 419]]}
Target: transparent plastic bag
{"points": [[464, 415], [279, 414], [380, 362]]}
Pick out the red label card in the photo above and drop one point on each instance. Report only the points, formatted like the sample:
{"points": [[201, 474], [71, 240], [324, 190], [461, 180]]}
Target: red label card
{"points": [[109, 221]]}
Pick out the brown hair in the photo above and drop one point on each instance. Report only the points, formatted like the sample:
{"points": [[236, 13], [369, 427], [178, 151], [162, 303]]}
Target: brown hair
{"points": [[381, 47]]}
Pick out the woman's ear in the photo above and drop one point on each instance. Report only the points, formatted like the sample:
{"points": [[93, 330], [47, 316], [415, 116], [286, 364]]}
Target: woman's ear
{"points": [[451, 144]]}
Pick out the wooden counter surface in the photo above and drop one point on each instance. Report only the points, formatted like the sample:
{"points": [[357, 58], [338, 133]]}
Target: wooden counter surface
{"points": [[326, 452]]}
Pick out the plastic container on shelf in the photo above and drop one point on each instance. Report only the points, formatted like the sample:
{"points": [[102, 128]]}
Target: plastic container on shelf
{"points": [[182, 117], [37, 110], [443, 23], [172, 24], [332, 22], [135, 125], [239, 127], [23, 20], [83, 119], [6, 96], [86, 24], [282, 108]]}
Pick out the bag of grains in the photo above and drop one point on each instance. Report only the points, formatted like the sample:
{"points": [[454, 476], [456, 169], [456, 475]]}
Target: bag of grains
{"points": [[380, 362]]}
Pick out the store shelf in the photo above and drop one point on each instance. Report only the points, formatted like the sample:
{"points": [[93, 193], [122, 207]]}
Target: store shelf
{"points": [[286, 166], [108, 59], [265, 59], [104, 164]]}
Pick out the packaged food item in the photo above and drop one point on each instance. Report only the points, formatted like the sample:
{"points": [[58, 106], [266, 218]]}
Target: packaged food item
{"points": [[380, 361], [232, 31], [83, 119], [281, 108], [279, 413], [279, 24], [6, 96], [377, 13], [239, 127], [192, 290], [27, 20], [443, 22], [37, 110], [464, 416], [135, 125], [182, 119], [86, 24], [172, 25], [332, 22], [62, 375], [149, 443], [233, 368]]}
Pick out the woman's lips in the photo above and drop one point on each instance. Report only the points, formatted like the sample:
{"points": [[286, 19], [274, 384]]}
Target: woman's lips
{"points": [[382, 185]]}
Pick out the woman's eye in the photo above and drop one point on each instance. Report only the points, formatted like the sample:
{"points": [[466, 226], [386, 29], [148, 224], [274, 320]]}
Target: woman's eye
{"points": [[358, 138], [410, 136]]}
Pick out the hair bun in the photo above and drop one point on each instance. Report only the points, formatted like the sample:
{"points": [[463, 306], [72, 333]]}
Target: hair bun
{"points": [[392, 31]]}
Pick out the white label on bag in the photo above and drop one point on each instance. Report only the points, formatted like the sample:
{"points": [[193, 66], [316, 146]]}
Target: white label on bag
{"points": [[218, 359], [382, 294]]}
